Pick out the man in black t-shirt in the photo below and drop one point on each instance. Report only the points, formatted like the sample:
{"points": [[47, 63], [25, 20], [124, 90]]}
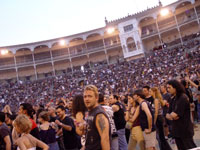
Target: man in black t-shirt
{"points": [[148, 96], [179, 113], [119, 120], [5, 141], [68, 128]]}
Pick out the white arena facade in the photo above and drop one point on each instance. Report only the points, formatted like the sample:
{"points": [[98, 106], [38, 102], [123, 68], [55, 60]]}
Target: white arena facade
{"points": [[126, 38]]}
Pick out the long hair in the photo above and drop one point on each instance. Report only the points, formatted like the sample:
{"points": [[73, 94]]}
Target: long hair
{"points": [[157, 95], [178, 86], [78, 105], [136, 103]]}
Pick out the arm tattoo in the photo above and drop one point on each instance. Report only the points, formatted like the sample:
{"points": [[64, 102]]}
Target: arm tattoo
{"points": [[101, 122]]}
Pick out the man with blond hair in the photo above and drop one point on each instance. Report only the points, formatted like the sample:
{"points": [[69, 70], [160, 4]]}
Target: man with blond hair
{"points": [[98, 128]]}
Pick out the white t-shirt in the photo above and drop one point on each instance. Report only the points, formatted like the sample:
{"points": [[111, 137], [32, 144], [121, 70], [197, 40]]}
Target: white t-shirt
{"points": [[109, 113]]}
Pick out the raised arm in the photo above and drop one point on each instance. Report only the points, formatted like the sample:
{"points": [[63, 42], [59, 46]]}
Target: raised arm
{"points": [[191, 82], [15, 135]]}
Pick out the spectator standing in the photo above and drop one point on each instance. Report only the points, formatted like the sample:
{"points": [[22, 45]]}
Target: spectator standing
{"points": [[146, 120], [5, 140], [133, 123], [68, 128], [179, 113], [120, 122], [98, 134], [109, 112]]}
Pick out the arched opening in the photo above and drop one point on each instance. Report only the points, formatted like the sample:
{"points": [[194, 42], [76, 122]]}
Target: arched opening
{"points": [[147, 26], [6, 58], [93, 35], [185, 13], [24, 56], [166, 19], [131, 44], [94, 41], [77, 46], [42, 53], [55, 44]]}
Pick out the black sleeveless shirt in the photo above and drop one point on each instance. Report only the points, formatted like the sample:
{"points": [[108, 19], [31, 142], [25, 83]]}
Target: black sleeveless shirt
{"points": [[143, 118], [93, 139], [119, 118]]}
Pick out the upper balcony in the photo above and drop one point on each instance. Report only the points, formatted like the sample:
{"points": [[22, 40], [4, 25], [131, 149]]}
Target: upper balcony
{"points": [[42, 55]]}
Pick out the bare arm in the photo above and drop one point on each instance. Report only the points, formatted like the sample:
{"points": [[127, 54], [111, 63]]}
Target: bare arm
{"points": [[79, 123], [162, 102], [41, 144], [148, 113], [66, 127], [156, 103], [15, 135], [8, 142], [191, 82], [102, 125], [136, 114], [80, 130], [21, 145], [7, 109], [115, 108], [127, 115], [169, 117], [174, 116], [64, 101]]}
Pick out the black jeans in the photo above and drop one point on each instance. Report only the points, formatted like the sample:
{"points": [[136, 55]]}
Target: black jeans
{"points": [[185, 143], [163, 144]]}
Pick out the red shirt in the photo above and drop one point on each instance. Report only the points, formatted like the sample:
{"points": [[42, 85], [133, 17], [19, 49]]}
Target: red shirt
{"points": [[34, 125]]}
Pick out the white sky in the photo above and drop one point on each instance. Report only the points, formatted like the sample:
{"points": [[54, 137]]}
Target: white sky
{"points": [[25, 21]]}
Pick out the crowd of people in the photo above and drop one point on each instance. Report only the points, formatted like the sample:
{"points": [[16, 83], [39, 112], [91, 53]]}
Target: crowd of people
{"points": [[116, 78], [106, 122], [117, 106]]}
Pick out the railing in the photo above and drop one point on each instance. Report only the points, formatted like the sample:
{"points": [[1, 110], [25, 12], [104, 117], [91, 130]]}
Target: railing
{"points": [[25, 64], [57, 58], [61, 57], [167, 26], [186, 19], [150, 34]]}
